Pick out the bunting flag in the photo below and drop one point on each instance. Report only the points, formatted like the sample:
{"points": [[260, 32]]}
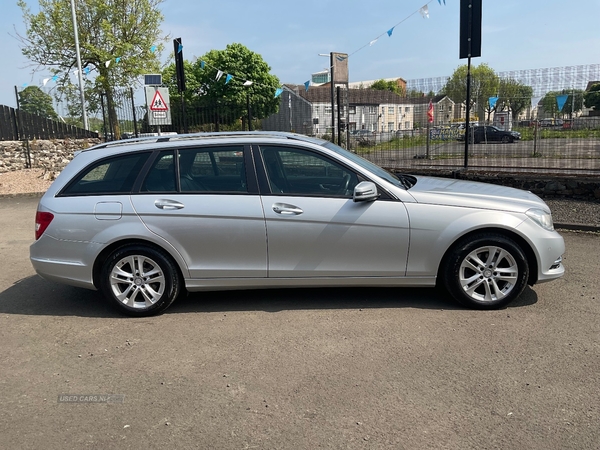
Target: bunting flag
{"points": [[390, 31], [561, 100], [535, 101], [373, 41], [107, 63], [492, 101], [45, 80], [248, 83], [153, 48], [424, 12], [118, 59], [86, 71], [202, 64], [179, 48], [228, 78], [307, 84], [55, 77], [219, 75], [440, 2], [278, 92]]}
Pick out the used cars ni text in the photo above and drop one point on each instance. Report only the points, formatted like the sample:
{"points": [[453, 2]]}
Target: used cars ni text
{"points": [[143, 220]]}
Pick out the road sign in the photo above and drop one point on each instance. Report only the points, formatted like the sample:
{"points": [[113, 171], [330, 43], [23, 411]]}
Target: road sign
{"points": [[157, 101]]}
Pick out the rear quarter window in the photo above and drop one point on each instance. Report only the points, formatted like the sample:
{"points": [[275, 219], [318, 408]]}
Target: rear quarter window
{"points": [[114, 175]]}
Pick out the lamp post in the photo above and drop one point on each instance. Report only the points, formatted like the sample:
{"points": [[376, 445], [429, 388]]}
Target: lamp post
{"points": [[85, 119], [332, 94]]}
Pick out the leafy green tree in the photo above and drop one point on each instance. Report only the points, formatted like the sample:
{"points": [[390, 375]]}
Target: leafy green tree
{"points": [[243, 65], [228, 98], [107, 29], [573, 103], [592, 97], [35, 101], [513, 96], [391, 85], [484, 84]]}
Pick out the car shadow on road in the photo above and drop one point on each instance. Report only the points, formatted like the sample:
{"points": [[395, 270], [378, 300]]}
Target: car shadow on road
{"points": [[35, 296]]}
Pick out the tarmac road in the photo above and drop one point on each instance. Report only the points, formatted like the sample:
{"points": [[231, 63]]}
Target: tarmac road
{"points": [[301, 369]]}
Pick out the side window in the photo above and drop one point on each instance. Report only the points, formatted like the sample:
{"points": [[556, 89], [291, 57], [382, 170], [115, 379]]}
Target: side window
{"points": [[161, 177], [293, 171], [214, 169], [108, 176]]}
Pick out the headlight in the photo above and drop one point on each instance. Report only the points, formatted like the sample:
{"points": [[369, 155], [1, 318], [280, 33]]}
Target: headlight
{"points": [[542, 218]]}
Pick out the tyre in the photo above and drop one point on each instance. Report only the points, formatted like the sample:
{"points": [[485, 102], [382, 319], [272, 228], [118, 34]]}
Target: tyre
{"points": [[140, 280], [506, 139], [487, 271]]}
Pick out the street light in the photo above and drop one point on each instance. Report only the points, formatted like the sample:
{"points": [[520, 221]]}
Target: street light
{"points": [[85, 120], [332, 94]]}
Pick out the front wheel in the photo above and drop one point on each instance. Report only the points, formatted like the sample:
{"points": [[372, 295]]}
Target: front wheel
{"points": [[140, 280], [506, 139], [487, 271]]}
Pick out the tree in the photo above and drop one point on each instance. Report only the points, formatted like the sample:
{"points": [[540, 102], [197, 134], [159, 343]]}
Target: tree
{"points": [[107, 29], [484, 84], [592, 97], [35, 101], [513, 96], [249, 82], [383, 85], [573, 103]]}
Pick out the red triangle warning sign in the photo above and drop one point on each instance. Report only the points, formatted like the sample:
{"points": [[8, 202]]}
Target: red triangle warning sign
{"points": [[158, 103]]}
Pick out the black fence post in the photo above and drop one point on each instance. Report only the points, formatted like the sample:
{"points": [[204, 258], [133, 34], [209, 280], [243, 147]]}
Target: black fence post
{"points": [[135, 127]]}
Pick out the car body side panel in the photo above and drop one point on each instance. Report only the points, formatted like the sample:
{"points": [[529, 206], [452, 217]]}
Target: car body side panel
{"points": [[434, 228], [217, 235], [336, 237]]}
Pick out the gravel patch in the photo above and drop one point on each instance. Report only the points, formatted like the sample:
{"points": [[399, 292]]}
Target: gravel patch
{"points": [[564, 211]]}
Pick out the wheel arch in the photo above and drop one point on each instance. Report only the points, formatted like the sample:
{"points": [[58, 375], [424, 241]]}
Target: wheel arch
{"points": [[109, 249], [519, 240]]}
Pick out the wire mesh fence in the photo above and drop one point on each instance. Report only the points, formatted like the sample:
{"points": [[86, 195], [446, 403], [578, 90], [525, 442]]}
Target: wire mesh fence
{"points": [[543, 126]]}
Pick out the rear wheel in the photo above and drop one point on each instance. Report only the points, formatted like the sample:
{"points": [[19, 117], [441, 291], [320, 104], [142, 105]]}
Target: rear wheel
{"points": [[140, 280], [487, 271]]}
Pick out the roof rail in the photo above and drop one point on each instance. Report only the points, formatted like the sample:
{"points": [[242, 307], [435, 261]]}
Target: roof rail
{"points": [[190, 136]]}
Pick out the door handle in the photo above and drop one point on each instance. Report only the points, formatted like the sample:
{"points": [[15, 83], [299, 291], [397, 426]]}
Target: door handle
{"points": [[168, 204], [286, 210]]}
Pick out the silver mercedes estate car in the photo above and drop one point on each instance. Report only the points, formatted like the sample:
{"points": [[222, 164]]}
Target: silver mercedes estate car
{"points": [[142, 220]]}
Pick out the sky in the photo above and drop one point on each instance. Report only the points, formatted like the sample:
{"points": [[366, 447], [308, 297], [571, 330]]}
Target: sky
{"points": [[516, 35]]}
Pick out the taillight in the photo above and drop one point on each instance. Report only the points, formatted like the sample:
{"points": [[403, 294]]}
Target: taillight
{"points": [[42, 220]]}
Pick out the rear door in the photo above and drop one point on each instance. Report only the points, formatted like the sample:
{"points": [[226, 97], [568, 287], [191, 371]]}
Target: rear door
{"points": [[204, 201]]}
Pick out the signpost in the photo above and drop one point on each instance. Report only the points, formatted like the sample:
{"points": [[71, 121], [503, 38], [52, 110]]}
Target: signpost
{"points": [[159, 110]]}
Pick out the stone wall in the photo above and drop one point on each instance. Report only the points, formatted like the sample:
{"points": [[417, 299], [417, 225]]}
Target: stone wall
{"points": [[52, 156]]}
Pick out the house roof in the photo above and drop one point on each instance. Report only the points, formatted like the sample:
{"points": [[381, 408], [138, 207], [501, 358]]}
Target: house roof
{"points": [[590, 84]]}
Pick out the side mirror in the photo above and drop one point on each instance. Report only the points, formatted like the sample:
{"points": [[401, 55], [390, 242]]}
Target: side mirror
{"points": [[365, 191]]}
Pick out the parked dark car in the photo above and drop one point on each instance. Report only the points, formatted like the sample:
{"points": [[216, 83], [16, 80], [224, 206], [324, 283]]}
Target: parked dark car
{"points": [[489, 133]]}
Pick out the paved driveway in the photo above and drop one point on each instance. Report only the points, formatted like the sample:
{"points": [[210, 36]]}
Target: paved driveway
{"points": [[301, 369]]}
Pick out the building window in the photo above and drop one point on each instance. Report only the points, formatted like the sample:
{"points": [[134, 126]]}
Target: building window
{"points": [[407, 109], [390, 110], [373, 109], [407, 125], [390, 126], [440, 108], [352, 109], [328, 109]]}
